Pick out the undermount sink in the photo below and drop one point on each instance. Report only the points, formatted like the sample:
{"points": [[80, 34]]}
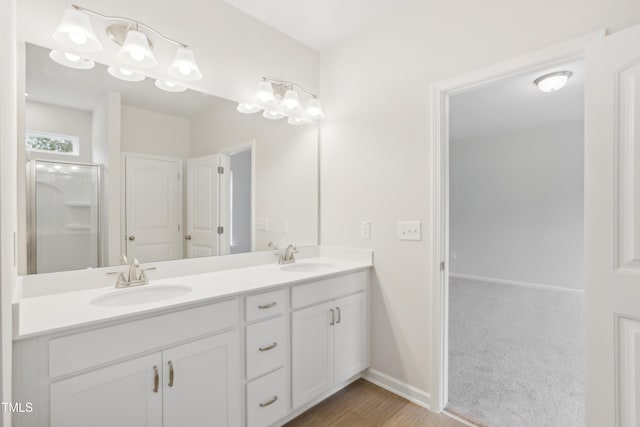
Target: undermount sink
{"points": [[307, 267], [141, 295]]}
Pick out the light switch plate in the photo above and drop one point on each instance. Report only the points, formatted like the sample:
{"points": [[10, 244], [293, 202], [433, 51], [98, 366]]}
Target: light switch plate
{"points": [[409, 230], [263, 224], [365, 230]]}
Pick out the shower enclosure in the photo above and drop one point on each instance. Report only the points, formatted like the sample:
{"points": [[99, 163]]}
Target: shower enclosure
{"points": [[64, 216]]}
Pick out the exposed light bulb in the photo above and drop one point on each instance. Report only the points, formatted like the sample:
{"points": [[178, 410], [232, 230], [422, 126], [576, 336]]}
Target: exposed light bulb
{"points": [[126, 72], [170, 84], [71, 57], [78, 38]]}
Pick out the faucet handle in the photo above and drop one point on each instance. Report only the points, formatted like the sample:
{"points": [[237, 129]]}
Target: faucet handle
{"points": [[123, 259], [272, 245]]}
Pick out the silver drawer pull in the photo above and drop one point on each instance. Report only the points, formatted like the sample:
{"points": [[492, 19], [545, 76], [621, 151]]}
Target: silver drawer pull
{"points": [[269, 347], [156, 379], [270, 402], [265, 306]]}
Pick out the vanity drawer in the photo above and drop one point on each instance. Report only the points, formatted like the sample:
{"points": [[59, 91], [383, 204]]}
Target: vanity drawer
{"points": [[264, 305], [265, 346], [267, 399], [328, 289], [74, 353]]}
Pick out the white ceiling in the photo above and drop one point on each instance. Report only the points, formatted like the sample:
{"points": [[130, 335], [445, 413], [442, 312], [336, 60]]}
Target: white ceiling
{"points": [[52, 83], [516, 103], [318, 24]]}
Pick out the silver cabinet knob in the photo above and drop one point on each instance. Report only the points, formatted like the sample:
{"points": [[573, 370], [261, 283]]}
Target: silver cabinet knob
{"points": [[132, 238], [187, 237]]}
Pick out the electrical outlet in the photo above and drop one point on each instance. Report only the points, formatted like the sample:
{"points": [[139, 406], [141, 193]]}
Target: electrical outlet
{"points": [[365, 230], [410, 230]]}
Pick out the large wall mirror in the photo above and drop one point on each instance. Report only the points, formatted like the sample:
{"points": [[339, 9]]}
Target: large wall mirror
{"points": [[115, 167]]}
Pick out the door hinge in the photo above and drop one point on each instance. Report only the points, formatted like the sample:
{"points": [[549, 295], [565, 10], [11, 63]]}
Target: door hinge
{"points": [[220, 170], [178, 227], [442, 266], [178, 176], [220, 230]]}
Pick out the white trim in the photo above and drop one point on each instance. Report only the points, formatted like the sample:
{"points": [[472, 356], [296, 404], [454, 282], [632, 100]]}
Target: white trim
{"points": [[517, 283], [440, 93], [400, 388]]}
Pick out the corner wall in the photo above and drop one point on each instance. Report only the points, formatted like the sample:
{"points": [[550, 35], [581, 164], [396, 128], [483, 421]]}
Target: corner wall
{"points": [[376, 148], [8, 193]]}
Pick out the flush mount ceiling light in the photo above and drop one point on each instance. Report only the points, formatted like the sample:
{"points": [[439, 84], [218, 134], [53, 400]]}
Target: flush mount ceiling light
{"points": [[553, 81], [71, 60], [281, 99], [76, 34]]}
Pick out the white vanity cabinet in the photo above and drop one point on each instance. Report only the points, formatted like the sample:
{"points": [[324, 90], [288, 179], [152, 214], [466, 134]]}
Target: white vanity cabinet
{"points": [[253, 359], [185, 385], [329, 339]]}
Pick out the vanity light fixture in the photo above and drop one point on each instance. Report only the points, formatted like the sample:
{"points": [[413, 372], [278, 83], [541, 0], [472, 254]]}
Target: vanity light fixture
{"points": [[553, 81], [71, 60], [125, 74], [281, 99], [76, 34]]}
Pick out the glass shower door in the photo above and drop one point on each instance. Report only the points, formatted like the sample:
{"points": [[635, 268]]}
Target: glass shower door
{"points": [[65, 217]]}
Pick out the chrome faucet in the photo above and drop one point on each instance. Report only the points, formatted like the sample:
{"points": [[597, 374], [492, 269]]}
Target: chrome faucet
{"points": [[287, 256], [135, 276]]}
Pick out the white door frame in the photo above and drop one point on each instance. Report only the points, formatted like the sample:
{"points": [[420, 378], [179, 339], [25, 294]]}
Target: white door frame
{"points": [[440, 93], [229, 151]]}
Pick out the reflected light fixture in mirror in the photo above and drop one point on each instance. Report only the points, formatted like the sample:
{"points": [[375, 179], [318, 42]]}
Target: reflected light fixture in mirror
{"points": [[125, 74], [71, 60], [170, 86], [76, 34], [553, 81], [281, 99]]}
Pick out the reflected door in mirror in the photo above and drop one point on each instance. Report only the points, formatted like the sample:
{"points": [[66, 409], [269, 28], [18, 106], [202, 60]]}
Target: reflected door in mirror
{"points": [[153, 208]]}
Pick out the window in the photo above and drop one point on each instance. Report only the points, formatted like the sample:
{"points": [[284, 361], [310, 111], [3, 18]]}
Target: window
{"points": [[45, 142]]}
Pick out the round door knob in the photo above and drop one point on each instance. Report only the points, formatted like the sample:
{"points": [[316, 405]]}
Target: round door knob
{"points": [[132, 238], [187, 237]]}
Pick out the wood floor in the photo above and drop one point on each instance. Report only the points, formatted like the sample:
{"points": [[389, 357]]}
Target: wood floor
{"points": [[363, 404]]}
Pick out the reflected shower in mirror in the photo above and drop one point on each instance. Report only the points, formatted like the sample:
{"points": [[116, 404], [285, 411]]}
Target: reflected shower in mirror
{"points": [[115, 167]]}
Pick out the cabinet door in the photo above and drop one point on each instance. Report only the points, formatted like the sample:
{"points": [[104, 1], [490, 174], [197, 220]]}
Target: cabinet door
{"points": [[311, 352], [201, 383], [350, 336], [120, 395]]}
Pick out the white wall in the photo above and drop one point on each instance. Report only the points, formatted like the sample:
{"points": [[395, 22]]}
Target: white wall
{"points": [[8, 195], [516, 205], [106, 121], [376, 150], [158, 134], [61, 120], [286, 169]]}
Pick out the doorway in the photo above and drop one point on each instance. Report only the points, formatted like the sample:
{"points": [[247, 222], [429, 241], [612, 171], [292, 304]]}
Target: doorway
{"points": [[442, 94]]}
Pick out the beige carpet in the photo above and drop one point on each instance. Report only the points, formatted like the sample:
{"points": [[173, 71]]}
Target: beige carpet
{"points": [[515, 355]]}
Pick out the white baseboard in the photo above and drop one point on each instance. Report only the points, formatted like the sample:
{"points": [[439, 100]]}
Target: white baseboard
{"points": [[402, 389], [516, 283]]}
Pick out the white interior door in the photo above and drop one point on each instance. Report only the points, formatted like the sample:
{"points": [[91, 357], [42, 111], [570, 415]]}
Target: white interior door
{"points": [[207, 206], [153, 208], [612, 230]]}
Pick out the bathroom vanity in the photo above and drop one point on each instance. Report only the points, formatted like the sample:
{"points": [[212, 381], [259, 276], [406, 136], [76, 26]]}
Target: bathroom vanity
{"points": [[252, 346]]}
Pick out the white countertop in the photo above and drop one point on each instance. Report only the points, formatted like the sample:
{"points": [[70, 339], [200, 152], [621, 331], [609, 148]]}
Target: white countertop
{"points": [[63, 311]]}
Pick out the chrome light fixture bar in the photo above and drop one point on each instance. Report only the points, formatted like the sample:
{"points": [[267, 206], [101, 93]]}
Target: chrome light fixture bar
{"points": [[279, 99], [77, 35]]}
